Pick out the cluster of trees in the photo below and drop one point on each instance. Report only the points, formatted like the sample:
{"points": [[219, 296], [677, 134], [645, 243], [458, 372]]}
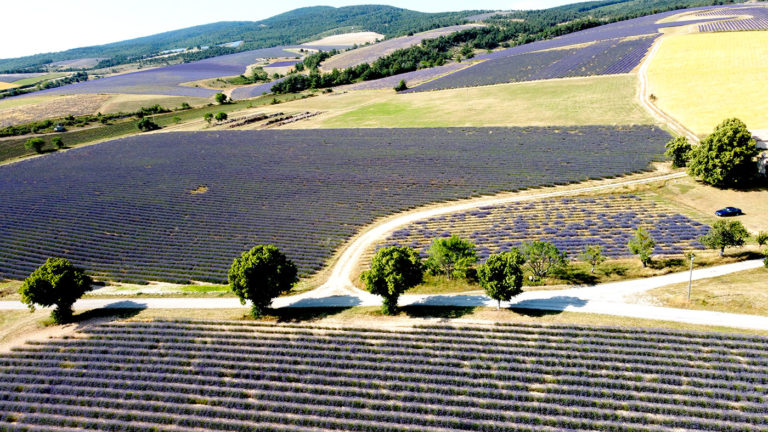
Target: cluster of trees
{"points": [[725, 159], [219, 117]]}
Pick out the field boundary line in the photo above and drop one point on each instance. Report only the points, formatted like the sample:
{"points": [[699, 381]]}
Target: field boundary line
{"points": [[645, 97]]}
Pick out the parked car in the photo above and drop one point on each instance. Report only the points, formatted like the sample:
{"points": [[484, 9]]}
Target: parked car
{"points": [[728, 211]]}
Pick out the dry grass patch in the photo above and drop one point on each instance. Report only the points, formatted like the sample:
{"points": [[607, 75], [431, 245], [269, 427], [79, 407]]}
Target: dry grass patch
{"points": [[743, 292], [131, 103], [50, 107], [702, 78]]}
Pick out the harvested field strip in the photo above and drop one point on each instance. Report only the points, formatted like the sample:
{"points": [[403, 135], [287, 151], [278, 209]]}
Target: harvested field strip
{"points": [[237, 376], [123, 209]]}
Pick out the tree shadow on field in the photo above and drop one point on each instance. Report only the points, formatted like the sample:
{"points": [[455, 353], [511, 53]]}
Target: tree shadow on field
{"points": [[443, 312], [659, 264], [610, 269], [545, 307], [119, 310], [576, 276], [305, 314]]}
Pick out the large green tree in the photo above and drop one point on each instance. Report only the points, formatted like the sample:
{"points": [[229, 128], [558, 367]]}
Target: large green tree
{"points": [[56, 283], [725, 158], [260, 275], [453, 256], [543, 257], [724, 234], [35, 144], [501, 276], [393, 270]]}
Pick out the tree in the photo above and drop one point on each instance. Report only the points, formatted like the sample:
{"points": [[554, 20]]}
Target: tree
{"points": [[678, 150], [208, 117], [221, 116], [146, 125], [593, 254], [185, 106], [58, 142], [35, 144], [452, 256], [221, 98], [260, 275], [543, 257], [724, 234], [761, 238], [56, 283], [401, 86], [502, 275], [642, 244], [394, 270], [724, 158]]}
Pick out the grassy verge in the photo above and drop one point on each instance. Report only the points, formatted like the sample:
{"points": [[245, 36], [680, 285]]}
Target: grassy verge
{"points": [[744, 292], [14, 148]]}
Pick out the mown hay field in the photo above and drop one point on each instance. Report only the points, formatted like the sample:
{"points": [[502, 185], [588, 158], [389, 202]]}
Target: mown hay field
{"points": [[703, 78]]}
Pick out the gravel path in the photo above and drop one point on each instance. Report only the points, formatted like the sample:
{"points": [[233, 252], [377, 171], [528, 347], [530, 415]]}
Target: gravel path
{"points": [[605, 299]]}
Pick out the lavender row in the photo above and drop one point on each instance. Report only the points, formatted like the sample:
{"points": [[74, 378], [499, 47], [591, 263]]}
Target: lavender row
{"points": [[177, 378], [124, 209]]}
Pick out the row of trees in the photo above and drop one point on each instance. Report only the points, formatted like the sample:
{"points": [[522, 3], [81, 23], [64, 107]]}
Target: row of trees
{"points": [[724, 159], [264, 273]]}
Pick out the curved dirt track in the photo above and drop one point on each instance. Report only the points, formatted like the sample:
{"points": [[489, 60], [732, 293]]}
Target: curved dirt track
{"points": [[340, 278]]}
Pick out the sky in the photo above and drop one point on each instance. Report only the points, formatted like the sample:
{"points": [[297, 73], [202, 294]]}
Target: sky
{"points": [[49, 26]]}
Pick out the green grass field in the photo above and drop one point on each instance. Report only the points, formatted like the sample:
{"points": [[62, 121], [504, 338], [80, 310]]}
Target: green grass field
{"points": [[582, 101]]}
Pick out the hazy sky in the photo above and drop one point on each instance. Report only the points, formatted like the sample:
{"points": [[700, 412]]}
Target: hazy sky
{"points": [[36, 26]]}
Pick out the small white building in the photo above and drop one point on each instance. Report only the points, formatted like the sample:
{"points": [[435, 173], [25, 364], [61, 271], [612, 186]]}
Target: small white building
{"points": [[761, 136]]}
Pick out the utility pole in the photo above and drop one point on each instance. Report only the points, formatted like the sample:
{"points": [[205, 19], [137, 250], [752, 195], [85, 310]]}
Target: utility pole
{"points": [[690, 279]]}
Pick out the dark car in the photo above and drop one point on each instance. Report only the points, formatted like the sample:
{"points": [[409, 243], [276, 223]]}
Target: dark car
{"points": [[728, 211]]}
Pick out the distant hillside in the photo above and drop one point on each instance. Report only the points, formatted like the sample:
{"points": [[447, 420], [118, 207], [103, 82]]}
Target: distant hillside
{"points": [[300, 25]]}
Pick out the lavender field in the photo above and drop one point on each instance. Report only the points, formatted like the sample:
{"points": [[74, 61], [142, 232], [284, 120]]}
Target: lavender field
{"points": [[125, 209], [612, 56], [170, 376], [759, 20], [569, 223], [167, 80]]}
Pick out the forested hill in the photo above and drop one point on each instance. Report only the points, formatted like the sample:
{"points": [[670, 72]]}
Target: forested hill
{"points": [[293, 27]]}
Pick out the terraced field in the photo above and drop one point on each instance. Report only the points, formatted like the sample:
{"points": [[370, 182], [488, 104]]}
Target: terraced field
{"points": [[569, 223], [125, 209], [166, 376]]}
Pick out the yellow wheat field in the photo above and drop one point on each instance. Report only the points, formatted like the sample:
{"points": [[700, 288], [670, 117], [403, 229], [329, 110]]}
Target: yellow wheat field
{"points": [[5, 85], [703, 78]]}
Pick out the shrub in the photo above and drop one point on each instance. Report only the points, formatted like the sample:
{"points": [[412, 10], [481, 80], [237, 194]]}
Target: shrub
{"points": [[220, 116], [401, 86], [35, 144], [58, 142], [146, 125], [593, 254], [762, 238]]}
